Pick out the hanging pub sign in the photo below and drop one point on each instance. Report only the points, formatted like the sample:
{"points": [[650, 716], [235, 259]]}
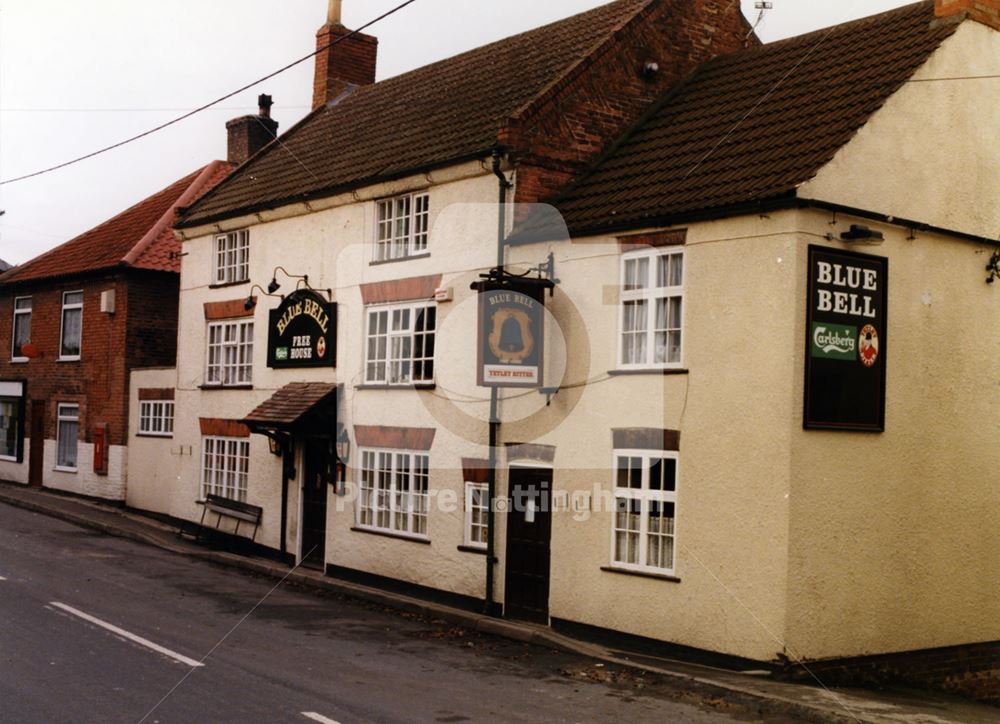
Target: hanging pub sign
{"points": [[846, 340], [511, 334], [302, 332]]}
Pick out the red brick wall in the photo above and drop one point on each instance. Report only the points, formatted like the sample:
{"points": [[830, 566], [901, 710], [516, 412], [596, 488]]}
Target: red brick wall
{"points": [[141, 333], [559, 136], [972, 670], [349, 61]]}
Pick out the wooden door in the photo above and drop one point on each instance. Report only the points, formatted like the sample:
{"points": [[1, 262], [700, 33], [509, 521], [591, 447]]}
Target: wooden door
{"points": [[37, 437], [318, 476], [529, 533]]}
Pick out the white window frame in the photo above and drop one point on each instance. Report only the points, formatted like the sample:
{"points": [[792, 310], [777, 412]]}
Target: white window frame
{"points": [[389, 364], [645, 497], [225, 466], [14, 357], [231, 258], [470, 509], [67, 412], [382, 505], [229, 359], [156, 418], [62, 326], [651, 293], [402, 226]]}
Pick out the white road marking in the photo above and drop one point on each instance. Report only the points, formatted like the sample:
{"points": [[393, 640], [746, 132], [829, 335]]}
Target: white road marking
{"points": [[125, 634], [318, 717], [2, 578]]}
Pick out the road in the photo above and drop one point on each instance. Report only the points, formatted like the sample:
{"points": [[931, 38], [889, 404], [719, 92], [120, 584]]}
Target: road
{"points": [[100, 629]]}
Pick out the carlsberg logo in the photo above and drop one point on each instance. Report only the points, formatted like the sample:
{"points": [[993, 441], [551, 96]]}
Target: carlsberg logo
{"points": [[834, 340]]}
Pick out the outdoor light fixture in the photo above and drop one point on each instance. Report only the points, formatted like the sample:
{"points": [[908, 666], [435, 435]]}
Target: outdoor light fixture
{"points": [[993, 267], [343, 446], [275, 286], [273, 445]]}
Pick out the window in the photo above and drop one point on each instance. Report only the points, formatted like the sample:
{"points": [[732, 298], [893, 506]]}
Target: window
{"points": [[10, 428], [401, 226], [476, 509], [225, 467], [651, 309], [232, 257], [230, 353], [394, 491], [645, 491], [72, 325], [400, 347], [156, 417], [67, 432], [22, 326]]}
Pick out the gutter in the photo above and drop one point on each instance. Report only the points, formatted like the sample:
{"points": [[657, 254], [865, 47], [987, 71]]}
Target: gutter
{"points": [[778, 203]]}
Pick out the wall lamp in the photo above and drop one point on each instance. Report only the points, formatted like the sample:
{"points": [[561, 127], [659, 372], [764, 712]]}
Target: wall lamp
{"points": [[275, 286], [993, 267], [251, 301]]}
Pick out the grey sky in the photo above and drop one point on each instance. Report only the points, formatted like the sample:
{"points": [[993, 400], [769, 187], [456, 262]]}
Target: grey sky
{"points": [[79, 75]]}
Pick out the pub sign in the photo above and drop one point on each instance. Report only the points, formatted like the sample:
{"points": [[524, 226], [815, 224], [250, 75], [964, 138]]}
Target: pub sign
{"points": [[302, 332], [846, 341], [511, 334]]}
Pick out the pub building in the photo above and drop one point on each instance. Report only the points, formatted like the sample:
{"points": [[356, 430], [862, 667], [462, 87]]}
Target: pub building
{"points": [[729, 388]]}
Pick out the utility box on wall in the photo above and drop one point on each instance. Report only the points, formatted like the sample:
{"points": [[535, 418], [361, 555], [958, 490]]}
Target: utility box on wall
{"points": [[101, 448]]}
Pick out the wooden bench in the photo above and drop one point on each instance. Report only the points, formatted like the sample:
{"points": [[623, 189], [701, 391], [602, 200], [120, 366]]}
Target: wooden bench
{"points": [[240, 512]]}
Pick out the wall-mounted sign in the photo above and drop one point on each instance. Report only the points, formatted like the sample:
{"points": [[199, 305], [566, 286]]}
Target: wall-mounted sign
{"points": [[511, 334], [302, 332], [846, 340]]}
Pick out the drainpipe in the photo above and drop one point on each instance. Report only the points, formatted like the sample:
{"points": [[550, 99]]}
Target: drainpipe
{"points": [[491, 471]]}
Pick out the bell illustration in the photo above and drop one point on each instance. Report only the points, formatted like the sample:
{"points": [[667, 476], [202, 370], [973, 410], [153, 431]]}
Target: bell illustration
{"points": [[510, 336]]}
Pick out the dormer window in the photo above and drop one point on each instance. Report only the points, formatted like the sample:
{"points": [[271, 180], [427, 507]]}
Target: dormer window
{"points": [[401, 226], [232, 258]]}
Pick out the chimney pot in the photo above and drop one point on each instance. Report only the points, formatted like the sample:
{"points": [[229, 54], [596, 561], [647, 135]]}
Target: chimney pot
{"points": [[333, 13], [264, 103]]}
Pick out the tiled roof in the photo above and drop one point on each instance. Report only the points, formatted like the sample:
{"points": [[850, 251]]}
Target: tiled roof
{"points": [[290, 404], [753, 125], [434, 115], [139, 237]]}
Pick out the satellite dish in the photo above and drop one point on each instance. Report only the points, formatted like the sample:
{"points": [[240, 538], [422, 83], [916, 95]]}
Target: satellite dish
{"points": [[29, 350]]}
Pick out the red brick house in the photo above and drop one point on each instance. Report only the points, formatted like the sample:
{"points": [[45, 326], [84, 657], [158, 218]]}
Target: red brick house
{"points": [[74, 322]]}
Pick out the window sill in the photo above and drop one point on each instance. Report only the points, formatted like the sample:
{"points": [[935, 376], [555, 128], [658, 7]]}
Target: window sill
{"points": [[63, 469], [223, 285], [641, 574], [421, 255], [162, 436], [416, 386], [20, 360], [390, 534], [649, 371], [225, 387], [477, 551], [9, 459], [68, 359]]}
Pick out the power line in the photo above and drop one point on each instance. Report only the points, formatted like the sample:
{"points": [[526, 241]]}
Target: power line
{"points": [[213, 103]]}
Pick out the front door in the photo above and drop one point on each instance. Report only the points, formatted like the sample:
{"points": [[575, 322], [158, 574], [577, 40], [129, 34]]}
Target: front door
{"points": [[318, 475], [37, 437], [529, 533]]}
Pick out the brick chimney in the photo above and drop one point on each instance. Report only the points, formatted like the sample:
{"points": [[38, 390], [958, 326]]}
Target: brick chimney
{"points": [[350, 62], [249, 134], [985, 11]]}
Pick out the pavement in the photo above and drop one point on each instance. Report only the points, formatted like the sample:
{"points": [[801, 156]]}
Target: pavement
{"points": [[800, 702]]}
